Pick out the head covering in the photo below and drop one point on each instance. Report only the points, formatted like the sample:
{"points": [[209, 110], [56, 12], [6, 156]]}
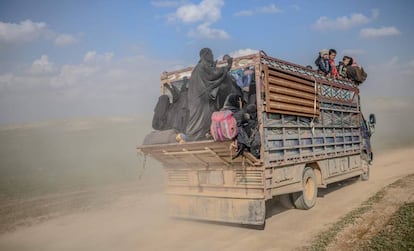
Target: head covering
{"points": [[323, 52], [251, 108], [232, 102], [206, 55], [204, 51]]}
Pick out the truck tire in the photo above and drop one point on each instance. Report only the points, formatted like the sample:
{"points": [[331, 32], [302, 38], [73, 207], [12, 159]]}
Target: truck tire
{"points": [[286, 201], [306, 199], [365, 176], [365, 167]]}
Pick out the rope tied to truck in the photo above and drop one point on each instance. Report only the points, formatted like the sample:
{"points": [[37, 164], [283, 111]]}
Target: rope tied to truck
{"points": [[312, 124], [144, 162]]}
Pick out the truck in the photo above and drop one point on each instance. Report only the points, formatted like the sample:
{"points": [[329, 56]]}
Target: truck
{"points": [[312, 133]]}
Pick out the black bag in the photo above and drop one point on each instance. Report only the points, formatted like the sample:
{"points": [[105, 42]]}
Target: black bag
{"points": [[160, 137], [361, 74], [356, 74]]}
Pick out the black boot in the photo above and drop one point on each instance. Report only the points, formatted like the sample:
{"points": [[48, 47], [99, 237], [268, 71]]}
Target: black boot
{"points": [[241, 148]]}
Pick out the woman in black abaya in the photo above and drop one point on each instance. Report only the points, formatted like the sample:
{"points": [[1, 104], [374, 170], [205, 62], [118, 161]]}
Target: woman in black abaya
{"points": [[204, 78]]}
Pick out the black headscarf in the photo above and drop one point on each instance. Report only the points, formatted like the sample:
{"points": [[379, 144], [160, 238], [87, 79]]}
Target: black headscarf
{"points": [[232, 103], [178, 114], [160, 119]]}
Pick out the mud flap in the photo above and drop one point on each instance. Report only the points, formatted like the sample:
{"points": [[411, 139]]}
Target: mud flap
{"points": [[232, 210]]}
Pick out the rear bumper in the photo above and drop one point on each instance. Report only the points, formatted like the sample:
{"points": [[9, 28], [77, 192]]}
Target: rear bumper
{"points": [[232, 210]]}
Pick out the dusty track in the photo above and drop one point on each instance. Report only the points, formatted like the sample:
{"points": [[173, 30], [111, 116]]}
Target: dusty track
{"points": [[138, 221]]}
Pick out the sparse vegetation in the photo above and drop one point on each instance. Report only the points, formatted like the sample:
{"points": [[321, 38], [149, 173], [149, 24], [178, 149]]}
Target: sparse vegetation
{"points": [[398, 234], [384, 222]]}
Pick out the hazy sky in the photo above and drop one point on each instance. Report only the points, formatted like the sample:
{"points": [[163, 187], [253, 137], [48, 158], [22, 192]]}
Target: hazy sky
{"points": [[63, 59]]}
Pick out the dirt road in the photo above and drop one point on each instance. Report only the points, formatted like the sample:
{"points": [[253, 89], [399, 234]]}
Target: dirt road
{"points": [[139, 222]]}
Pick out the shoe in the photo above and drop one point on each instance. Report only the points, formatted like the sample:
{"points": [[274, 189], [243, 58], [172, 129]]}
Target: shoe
{"points": [[240, 150]]}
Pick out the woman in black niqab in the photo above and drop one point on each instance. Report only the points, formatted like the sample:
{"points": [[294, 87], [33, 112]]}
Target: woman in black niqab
{"points": [[204, 78]]}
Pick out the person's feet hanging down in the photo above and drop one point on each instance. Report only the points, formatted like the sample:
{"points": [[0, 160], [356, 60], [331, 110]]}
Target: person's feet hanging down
{"points": [[240, 149]]}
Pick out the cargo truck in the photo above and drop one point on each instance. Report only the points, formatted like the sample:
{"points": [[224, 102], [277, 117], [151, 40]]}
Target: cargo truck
{"points": [[312, 133]]}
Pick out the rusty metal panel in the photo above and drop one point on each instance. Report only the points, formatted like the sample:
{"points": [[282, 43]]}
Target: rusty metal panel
{"points": [[241, 211], [290, 94], [329, 89]]}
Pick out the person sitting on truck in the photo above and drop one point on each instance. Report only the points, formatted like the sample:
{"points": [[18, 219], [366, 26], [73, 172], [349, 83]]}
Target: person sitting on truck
{"points": [[322, 62], [342, 66], [205, 78], [252, 130], [248, 136], [234, 104], [332, 55], [160, 118], [178, 112]]}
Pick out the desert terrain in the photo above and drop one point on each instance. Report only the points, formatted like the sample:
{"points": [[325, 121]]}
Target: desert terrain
{"points": [[79, 185]]}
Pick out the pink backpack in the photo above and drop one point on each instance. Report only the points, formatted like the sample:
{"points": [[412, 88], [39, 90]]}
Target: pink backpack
{"points": [[223, 125]]}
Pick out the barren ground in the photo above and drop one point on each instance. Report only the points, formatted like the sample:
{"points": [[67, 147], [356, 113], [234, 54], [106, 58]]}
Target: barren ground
{"points": [[75, 185], [136, 220]]}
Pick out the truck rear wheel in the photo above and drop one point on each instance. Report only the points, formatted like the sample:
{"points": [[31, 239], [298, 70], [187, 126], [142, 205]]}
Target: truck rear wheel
{"points": [[307, 198]]}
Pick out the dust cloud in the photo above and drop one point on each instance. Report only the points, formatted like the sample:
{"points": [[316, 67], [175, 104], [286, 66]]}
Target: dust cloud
{"points": [[87, 170], [395, 120], [54, 168], [74, 155]]}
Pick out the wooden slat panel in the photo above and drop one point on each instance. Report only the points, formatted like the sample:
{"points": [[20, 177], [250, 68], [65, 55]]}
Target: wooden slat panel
{"points": [[290, 84], [306, 111], [279, 74], [291, 92], [291, 100]]}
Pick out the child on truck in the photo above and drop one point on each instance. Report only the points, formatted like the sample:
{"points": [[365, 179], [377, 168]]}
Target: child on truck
{"points": [[322, 62], [342, 66], [332, 55]]}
